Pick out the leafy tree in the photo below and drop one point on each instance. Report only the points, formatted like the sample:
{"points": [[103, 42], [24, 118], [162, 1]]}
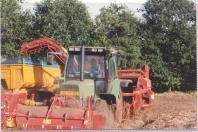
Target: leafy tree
{"points": [[116, 26], [15, 28], [66, 21], [171, 24]]}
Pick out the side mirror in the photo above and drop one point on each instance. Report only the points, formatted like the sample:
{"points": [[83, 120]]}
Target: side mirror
{"points": [[50, 59]]}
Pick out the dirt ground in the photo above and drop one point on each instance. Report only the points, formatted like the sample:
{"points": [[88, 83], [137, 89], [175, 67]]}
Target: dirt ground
{"points": [[170, 111]]}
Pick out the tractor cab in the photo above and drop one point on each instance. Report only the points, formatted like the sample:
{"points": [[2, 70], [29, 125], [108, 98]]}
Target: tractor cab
{"points": [[89, 64], [96, 63]]}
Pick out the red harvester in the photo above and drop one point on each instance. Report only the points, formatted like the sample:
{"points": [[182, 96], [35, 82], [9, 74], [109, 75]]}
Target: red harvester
{"points": [[126, 90]]}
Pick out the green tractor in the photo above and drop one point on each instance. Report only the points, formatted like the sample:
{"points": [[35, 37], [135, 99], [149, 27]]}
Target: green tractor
{"points": [[92, 71]]}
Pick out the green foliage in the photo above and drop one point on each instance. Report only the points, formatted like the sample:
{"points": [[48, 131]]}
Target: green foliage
{"points": [[66, 21], [15, 28], [117, 27], [171, 25]]}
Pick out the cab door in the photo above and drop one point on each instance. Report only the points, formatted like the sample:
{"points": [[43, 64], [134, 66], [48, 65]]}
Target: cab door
{"points": [[112, 73]]}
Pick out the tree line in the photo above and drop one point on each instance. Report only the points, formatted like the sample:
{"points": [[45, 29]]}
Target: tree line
{"points": [[164, 37]]}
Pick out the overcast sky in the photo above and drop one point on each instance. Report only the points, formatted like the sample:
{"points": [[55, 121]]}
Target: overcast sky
{"points": [[94, 6]]}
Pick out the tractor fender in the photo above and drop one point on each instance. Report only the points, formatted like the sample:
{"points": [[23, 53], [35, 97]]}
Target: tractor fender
{"points": [[109, 98], [112, 97]]}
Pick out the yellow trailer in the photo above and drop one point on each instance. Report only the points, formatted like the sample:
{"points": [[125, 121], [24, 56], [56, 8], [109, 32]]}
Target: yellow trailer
{"points": [[26, 75]]}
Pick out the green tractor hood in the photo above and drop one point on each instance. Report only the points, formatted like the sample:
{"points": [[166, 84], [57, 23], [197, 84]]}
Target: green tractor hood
{"points": [[78, 89]]}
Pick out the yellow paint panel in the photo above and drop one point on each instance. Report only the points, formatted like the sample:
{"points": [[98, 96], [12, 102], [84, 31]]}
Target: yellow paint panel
{"points": [[72, 93], [5, 74], [47, 121], [29, 76], [18, 78]]}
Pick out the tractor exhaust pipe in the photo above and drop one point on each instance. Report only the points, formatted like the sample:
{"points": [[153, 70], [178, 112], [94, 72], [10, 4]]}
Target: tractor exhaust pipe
{"points": [[82, 62]]}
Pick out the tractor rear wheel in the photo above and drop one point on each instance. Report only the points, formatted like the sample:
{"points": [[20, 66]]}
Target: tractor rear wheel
{"points": [[108, 116], [119, 109]]}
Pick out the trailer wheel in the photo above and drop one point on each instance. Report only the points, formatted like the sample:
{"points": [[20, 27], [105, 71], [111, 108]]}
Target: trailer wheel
{"points": [[108, 116]]}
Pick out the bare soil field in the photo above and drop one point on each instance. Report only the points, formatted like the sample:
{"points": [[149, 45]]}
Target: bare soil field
{"points": [[170, 111]]}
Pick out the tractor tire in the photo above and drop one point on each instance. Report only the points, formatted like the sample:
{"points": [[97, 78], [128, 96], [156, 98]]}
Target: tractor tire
{"points": [[108, 115], [120, 117]]}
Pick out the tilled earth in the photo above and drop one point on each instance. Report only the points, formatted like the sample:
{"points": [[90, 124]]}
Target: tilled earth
{"points": [[170, 111]]}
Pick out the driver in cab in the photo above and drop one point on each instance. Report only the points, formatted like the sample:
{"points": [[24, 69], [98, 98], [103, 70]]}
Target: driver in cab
{"points": [[95, 72], [95, 69]]}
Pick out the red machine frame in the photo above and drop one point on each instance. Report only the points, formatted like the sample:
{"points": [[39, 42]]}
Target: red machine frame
{"points": [[58, 116], [141, 90], [42, 43]]}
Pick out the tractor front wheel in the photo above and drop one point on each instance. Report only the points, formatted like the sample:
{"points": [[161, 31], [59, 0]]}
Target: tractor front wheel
{"points": [[119, 110]]}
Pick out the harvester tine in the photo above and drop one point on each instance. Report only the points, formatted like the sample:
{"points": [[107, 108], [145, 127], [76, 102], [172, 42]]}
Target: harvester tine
{"points": [[28, 114], [65, 117]]}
